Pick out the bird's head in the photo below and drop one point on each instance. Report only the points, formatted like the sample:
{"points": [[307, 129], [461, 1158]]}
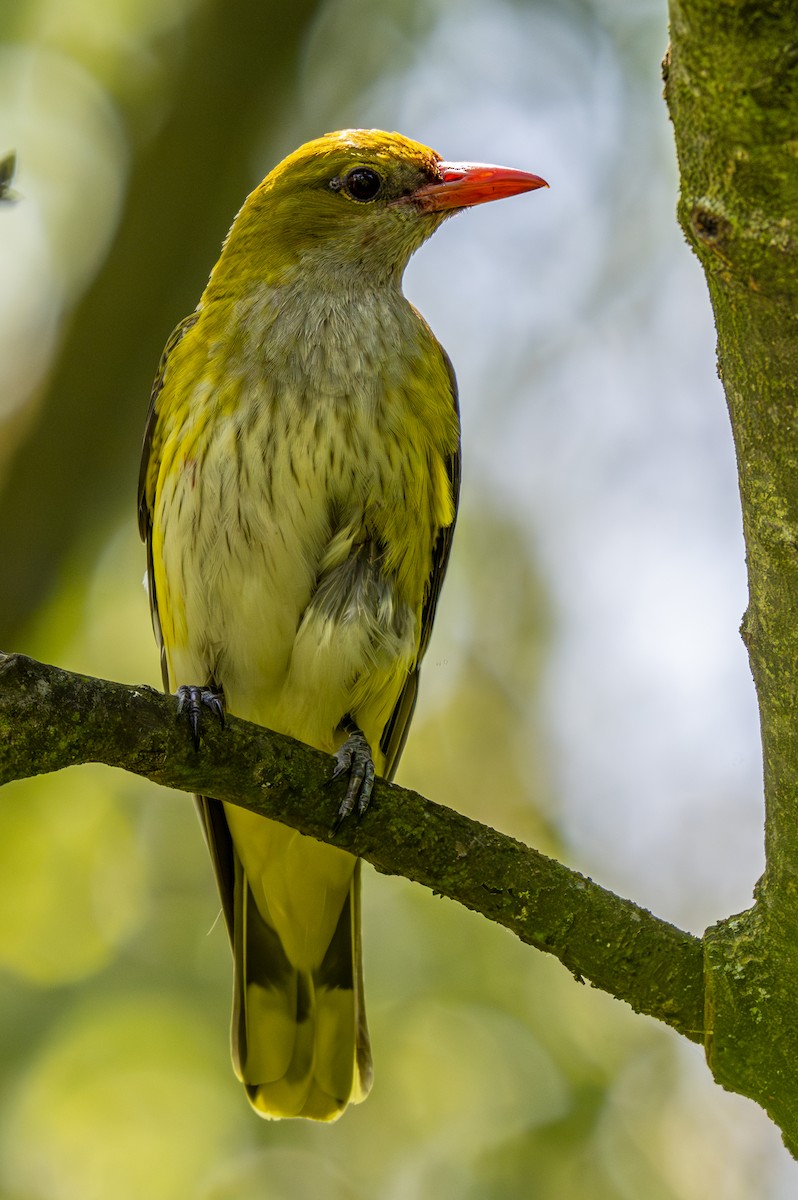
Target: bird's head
{"points": [[354, 202]]}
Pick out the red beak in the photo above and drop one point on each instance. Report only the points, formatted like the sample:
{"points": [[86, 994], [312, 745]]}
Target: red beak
{"points": [[462, 185]]}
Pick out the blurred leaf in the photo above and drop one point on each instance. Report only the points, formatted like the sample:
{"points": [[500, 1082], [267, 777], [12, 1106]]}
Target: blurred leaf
{"points": [[72, 876], [141, 1067], [284, 1174]]}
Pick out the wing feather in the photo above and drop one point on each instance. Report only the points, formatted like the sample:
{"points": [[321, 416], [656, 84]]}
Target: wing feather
{"points": [[394, 735], [145, 500]]}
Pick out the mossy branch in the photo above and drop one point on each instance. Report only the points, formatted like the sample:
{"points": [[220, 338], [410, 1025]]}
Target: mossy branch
{"points": [[50, 719]]}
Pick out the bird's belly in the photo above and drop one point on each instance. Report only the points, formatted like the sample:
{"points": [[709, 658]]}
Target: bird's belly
{"points": [[259, 598]]}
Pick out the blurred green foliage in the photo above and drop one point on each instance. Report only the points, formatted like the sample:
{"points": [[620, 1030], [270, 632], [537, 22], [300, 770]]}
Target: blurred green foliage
{"points": [[140, 127]]}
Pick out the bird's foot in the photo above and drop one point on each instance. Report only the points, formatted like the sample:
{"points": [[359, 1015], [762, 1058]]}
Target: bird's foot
{"points": [[191, 699], [355, 757]]}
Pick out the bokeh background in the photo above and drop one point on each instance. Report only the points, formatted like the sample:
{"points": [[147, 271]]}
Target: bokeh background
{"points": [[586, 688]]}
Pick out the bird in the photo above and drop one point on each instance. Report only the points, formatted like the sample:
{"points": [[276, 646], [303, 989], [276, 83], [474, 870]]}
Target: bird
{"points": [[297, 496]]}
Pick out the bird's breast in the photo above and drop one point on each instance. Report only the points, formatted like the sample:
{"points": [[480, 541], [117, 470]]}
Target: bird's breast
{"points": [[299, 496]]}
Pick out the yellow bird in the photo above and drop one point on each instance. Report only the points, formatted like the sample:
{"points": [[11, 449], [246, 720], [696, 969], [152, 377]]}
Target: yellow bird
{"points": [[297, 496]]}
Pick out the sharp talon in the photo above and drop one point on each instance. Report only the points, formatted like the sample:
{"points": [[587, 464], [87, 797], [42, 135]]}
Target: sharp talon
{"points": [[353, 756], [214, 703], [366, 789], [339, 769], [336, 825], [191, 698]]}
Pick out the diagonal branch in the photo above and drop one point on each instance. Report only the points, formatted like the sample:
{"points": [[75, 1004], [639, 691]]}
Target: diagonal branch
{"points": [[50, 719]]}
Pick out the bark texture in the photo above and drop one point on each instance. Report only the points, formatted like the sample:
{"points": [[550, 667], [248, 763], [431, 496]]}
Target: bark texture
{"points": [[732, 88]]}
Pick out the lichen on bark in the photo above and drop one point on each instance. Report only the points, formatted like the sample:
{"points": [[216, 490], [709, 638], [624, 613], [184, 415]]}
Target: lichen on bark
{"points": [[731, 82]]}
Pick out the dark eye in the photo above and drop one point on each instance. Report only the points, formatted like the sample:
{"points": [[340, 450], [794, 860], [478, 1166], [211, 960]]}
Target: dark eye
{"points": [[362, 183]]}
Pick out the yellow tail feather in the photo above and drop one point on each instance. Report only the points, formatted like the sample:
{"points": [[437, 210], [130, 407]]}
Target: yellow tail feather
{"points": [[299, 1035]]}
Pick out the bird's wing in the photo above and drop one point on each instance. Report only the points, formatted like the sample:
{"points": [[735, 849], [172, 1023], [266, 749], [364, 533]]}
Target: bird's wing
{"points": [[145, 500], [211, 812], [394, 735]]}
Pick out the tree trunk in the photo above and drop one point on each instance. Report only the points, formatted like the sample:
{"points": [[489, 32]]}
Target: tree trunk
{"points": [[732, 88]]}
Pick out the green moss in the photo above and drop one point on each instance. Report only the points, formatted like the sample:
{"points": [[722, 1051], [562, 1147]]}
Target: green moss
{"points": [[732, 90]]}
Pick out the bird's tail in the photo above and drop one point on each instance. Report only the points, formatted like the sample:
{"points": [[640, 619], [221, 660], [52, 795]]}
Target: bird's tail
{"points": [[299, 1035]]}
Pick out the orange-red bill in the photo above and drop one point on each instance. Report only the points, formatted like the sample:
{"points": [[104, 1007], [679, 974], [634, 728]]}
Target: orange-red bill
{"points": [[462, 185]]}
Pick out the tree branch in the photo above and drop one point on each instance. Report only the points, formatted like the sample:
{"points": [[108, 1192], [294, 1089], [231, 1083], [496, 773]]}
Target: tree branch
{"points": [[50, 719]]}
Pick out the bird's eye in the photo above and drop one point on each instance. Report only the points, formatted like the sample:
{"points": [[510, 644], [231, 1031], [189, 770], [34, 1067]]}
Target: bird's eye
{"points": [[362, 183]]}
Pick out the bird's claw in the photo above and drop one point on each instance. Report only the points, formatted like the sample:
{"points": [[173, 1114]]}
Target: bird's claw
{"points": [[354, 756], [191, 699]]}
